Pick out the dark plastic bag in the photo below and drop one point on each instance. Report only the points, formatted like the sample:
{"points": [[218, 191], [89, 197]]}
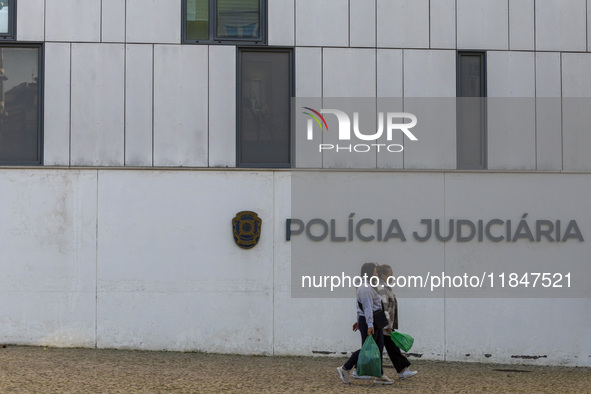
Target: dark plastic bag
{"points": [[369, 362], [403, 341]]}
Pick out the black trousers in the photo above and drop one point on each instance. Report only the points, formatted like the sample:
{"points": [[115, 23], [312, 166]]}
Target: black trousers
{"points": [[378, 336], [398, 360]]}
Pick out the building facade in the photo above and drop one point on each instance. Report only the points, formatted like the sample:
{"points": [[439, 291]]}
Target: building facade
{"points": [[133, 131]]}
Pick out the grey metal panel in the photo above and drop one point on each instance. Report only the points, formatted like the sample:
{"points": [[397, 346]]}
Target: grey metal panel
{"points": [[362, 23], [521, 24], [548, 112], [429, 73], [222, 106], [308, 77], [443, 24], [386, 158], [322, 23], [56, 125], [389, 72], [511, 110], [576, 92], [97, 104], [389, 81], [482, 24], [73, 20], [511, 74], [561, 25], [139, 94], [403, 23], [30, 20], [281, 22], [308, 72], [548, 78], [113, 21], [349, 72], [576, 68], [307, 152], [588, 25], [511, 133], [153, 21], [180, 105], [345, 155], [435, 131]]}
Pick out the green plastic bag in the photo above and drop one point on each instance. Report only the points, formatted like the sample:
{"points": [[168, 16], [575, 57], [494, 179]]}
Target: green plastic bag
{"points": [[403, 341], [369, 362]]}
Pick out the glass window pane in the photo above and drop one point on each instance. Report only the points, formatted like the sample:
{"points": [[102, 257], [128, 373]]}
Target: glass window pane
{"points": [[471, 112], [238, 19], [470, 141], [265, 108], [19, 104], [4, 17], [470, 82], [197, 19]]}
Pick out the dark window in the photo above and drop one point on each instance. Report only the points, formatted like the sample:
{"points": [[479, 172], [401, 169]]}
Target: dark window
{"points": [[7, 19], [20, 109], [265, 87], [231, 21], [471, 130]]}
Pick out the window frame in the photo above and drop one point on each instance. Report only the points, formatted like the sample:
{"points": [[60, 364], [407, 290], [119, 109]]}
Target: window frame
{"points": [[212, 24], [11, 34], [239, 51], [484, 111], [41, 102]]}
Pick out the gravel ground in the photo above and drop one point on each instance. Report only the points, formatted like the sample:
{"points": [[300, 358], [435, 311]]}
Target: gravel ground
{"points": [[53, 370]]}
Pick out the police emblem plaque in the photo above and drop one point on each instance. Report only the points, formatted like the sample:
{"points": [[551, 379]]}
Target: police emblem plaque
{"points": [[247, 229]]}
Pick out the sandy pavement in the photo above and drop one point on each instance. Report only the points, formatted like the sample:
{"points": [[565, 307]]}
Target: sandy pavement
{"points": [[53, 370]]}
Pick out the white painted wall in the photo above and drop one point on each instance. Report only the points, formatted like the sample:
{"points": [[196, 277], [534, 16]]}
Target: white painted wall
{"points": [[145, 260]]}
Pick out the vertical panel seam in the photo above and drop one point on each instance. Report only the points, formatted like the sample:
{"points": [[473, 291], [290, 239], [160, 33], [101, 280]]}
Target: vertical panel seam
{"points": [[71, 45], [349, 22], [207, 163], [153, 100], [322, 96], [273, 272], [124, 104], [456, 23], [536, 110], [403, 51], [509, 25], [444, 267], [561, 115], [429, 27], [101, 22], [96, 248]]}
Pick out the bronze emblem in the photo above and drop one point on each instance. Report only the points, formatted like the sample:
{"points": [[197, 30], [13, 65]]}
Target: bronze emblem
{"points": [[247, 229]]}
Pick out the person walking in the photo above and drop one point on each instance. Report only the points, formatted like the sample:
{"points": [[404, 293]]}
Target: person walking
{"points": [[368, 301], [388, 297]]}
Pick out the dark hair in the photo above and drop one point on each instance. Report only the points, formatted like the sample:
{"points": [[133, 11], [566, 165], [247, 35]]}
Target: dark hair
{"points": [[383, 269], [367, 269]]}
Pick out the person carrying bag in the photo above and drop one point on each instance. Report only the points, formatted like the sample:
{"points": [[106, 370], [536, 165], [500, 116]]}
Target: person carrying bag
{"points": [[368, 302]]}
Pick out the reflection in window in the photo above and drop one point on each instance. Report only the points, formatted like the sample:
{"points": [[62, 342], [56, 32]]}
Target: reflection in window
{"points": [[264, 108], [471, 132], [224, 20], [19, 105], [197, 19], [238, 18]]}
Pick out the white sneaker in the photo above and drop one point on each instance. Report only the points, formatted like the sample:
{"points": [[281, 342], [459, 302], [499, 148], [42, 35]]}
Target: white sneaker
{"points": [[343, 374], [383, 380], [406, 373], [355, 376]]}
